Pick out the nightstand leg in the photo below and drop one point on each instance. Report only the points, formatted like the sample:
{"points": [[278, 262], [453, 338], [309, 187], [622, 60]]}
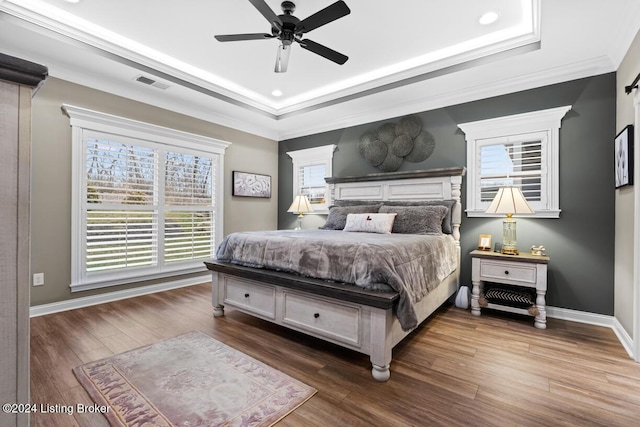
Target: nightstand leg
{"points": [[475, 296], [541, 318]]}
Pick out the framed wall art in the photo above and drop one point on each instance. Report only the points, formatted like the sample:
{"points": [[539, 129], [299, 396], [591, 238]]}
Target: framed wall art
{"points": [[484, 242], [624, 157], [246, 184]]}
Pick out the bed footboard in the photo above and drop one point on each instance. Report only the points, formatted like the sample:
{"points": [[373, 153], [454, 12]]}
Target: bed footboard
{"points": [[345, 315]]}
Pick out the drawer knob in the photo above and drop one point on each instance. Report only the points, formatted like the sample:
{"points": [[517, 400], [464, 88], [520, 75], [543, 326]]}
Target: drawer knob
{"points": [[316, 315], [246, 295], [506, 272]]}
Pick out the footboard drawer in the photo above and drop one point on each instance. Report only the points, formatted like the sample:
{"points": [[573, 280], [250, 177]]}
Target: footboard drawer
{"points": [[319, 316], [252, 297]]}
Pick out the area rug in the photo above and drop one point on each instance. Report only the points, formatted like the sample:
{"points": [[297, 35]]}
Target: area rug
{"points": [[190, 380]]}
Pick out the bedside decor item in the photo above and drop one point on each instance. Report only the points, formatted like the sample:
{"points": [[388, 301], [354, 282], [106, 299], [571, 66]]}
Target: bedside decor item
{"points": [[538, 250], [462, 298], [509, 201], [624, 157], [484, 242], [251, 185], [300, 206]]}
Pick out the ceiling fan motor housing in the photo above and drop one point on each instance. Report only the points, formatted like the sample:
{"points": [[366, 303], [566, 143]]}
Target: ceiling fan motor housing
{"points": [[289, 22]]}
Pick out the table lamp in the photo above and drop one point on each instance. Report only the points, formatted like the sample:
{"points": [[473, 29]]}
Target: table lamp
{"points": [[509, 201], [300, 206]]}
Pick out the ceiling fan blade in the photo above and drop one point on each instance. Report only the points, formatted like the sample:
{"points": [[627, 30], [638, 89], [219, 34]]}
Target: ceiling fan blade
{"points": [[267, 12], [282, 58], [326, 15], [239, 37], [324, 51]]}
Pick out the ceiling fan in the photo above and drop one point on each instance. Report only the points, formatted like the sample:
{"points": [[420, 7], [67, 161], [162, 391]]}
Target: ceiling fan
{"points": [[288, 29]]}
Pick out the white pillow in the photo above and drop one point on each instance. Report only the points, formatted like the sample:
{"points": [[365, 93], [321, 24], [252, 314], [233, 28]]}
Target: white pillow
{"points": [[381, 223]]}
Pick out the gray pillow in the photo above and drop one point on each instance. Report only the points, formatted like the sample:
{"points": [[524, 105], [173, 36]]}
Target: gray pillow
{"points": [[337, 218], [416, 219], [447, 226]]}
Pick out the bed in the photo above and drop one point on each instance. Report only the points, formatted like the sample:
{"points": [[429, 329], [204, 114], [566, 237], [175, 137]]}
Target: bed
{"points": [[363, 310]]}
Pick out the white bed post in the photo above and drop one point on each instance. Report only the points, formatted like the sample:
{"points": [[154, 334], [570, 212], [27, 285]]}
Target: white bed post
{"points": [[456, 217], [216, 295], [381, 343]]}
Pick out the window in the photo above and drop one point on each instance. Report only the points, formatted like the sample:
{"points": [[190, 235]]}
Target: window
{"points": [[146, 200], [520, 150], [310, 167]]}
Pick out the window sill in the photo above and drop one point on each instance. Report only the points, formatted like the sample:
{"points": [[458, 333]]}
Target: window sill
{"points": [[538, 214], [101, 283]]}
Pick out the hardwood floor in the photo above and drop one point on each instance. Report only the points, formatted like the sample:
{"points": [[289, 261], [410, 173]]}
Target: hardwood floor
{"points": [[456, 369]]}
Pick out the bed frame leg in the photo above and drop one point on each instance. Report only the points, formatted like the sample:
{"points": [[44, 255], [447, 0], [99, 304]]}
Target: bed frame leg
{"points": [[380, 373], [381, 344], [218, 309]]}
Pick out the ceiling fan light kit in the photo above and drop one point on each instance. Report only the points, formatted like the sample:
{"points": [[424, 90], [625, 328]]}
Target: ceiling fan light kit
{"points": [[288, 29]]}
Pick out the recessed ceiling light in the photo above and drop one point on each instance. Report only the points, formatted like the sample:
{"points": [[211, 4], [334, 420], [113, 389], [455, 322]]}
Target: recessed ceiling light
{"points": [[72, 1], [488, 18], [276, 92]]}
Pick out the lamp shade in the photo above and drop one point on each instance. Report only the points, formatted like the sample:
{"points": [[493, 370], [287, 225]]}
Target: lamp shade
{"points": [[509, 200], [300, 205]]}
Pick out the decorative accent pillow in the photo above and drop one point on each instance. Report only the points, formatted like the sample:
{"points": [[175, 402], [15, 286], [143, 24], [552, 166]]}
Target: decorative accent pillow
{"points": [[381, 223], [338, 215], [417, 219], [447, 226]]}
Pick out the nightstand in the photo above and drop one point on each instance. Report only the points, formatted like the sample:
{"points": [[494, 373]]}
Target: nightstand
{"points": [[524, 270]]}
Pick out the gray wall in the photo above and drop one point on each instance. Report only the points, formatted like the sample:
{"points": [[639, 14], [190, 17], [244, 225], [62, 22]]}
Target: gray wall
{"points": [[51, 178], [580, 243]]}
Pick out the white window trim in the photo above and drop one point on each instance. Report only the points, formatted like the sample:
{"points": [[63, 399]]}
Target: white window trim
{"points": [[313, 156], [84, 119], [546, 121]]}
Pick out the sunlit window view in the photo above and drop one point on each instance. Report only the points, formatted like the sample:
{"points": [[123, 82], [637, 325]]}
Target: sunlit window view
{"points": [[146, 206], [516, 164], [313, 184]]}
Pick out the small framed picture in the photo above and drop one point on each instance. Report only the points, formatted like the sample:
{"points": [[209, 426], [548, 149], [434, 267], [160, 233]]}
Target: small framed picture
{"points": [[624, 157], [484, 242], [498, 247]]}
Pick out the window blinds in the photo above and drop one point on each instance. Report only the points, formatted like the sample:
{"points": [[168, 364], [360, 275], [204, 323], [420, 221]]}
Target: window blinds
{"points": [[145, 206], [511, 164]]}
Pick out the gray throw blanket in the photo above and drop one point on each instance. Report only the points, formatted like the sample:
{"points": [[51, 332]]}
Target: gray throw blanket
{"points": [[409, 264]]}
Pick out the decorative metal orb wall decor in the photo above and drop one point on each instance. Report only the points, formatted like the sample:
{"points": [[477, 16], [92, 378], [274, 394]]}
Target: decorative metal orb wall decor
{"points": [[390, 144]]}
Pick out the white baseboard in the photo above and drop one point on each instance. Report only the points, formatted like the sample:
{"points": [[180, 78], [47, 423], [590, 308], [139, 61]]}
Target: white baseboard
{"points": [[580, 316], [72, 304], [594, 319], [623, 336]]}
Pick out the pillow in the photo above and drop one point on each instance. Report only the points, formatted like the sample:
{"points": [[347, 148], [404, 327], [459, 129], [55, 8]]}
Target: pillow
{"points": [[338, 215], [447, 227], [380, 223], [417, 219]]}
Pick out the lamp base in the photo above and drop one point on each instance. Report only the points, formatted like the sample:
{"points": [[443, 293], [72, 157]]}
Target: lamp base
{"points": [[509, 245]]}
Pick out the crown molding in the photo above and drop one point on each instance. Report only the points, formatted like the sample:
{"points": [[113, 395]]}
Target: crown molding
{"points": [[469, 93]]}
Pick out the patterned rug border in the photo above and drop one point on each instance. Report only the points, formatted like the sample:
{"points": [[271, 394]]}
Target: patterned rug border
{"points": [[115, 418]]}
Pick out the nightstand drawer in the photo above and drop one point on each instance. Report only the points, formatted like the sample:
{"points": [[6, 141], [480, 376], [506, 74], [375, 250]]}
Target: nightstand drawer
{"points": [[508, 272]]}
